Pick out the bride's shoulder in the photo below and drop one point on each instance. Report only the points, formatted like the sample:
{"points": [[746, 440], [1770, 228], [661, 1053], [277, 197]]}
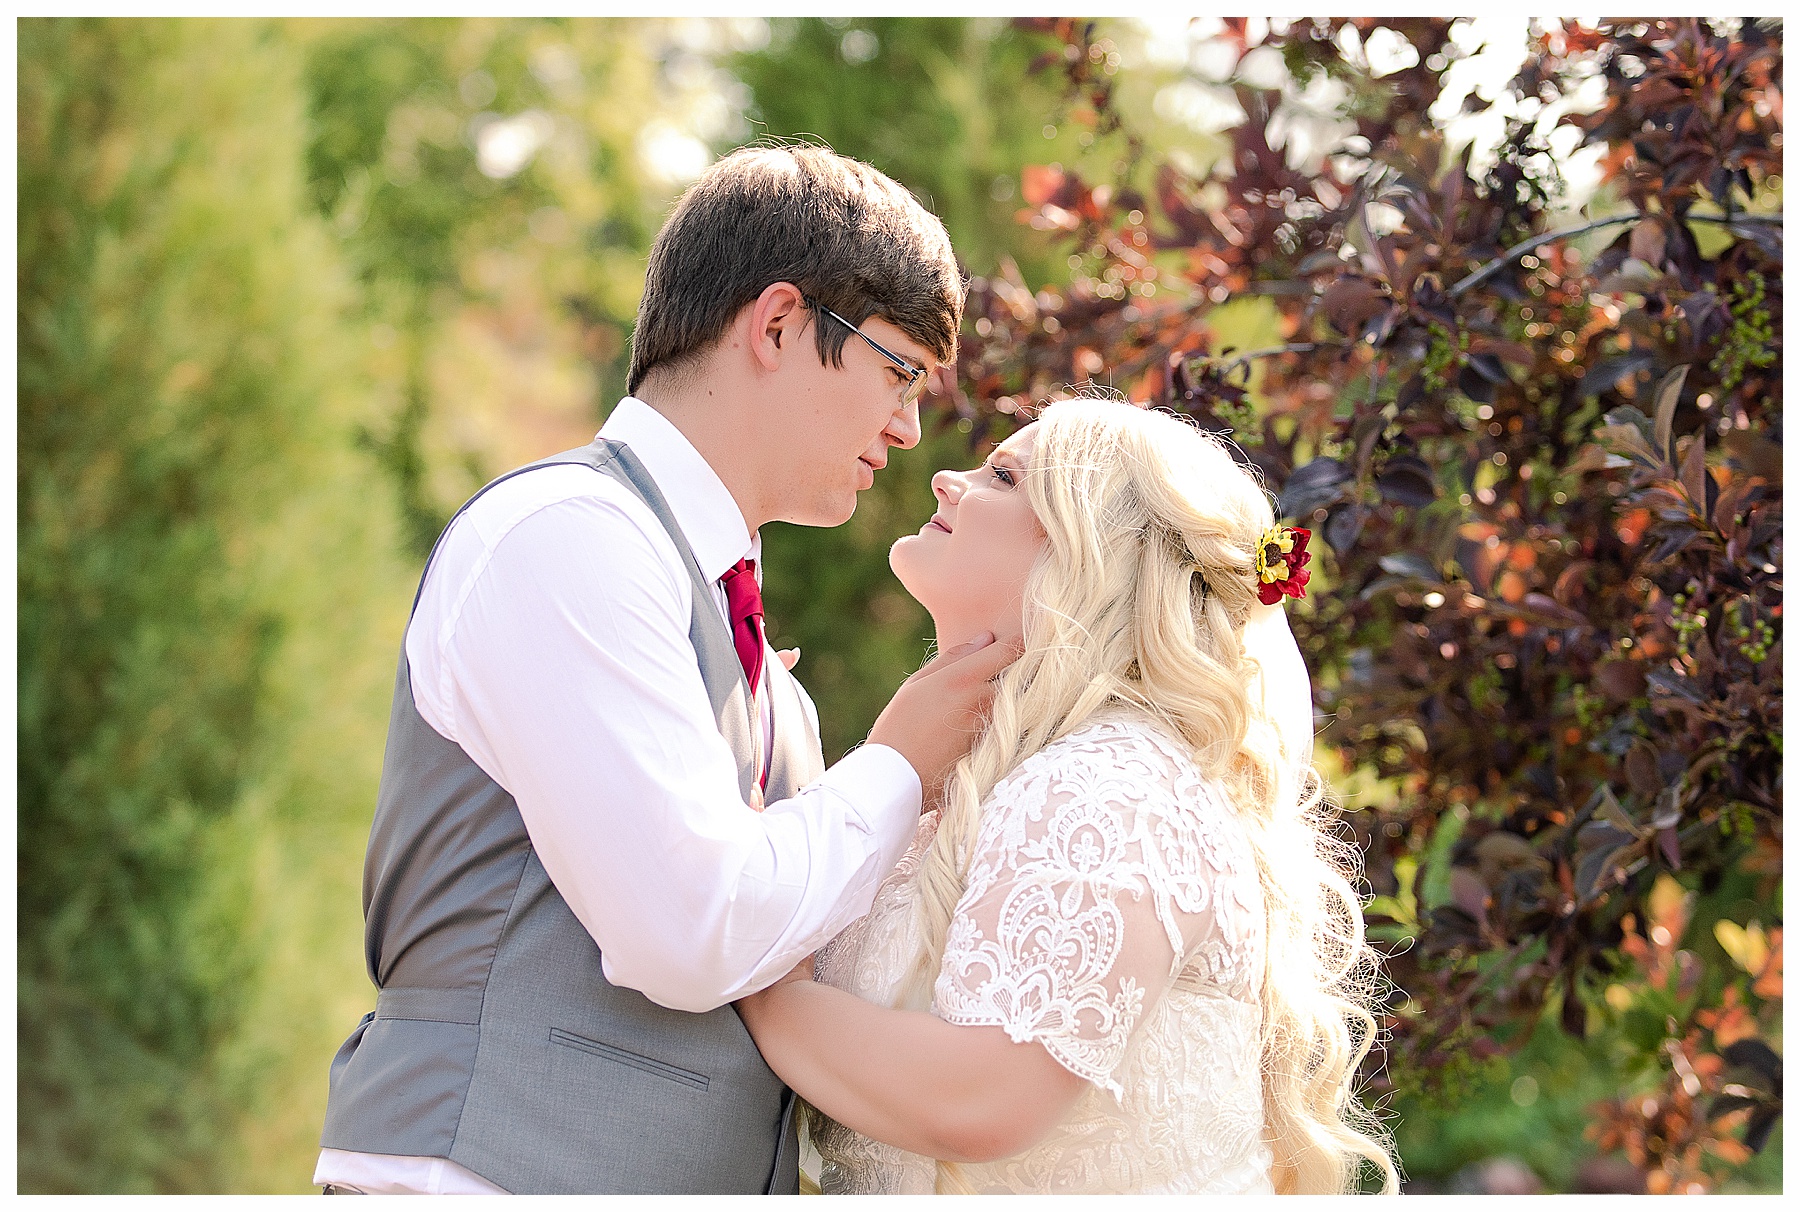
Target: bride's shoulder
{"points": [[1119, 753], [1120, 733]]}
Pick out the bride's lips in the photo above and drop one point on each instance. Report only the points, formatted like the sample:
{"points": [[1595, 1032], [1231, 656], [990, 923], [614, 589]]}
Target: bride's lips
{"points": [[937, 522]]}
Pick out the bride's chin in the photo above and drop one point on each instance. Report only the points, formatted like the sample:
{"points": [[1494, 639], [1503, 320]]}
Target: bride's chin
{"points": [[901, 565]]}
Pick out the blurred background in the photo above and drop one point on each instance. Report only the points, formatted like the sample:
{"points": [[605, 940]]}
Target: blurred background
{"points": [[1495, 306]]}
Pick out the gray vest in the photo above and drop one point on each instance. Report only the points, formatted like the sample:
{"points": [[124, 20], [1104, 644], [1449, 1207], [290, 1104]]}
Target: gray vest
{"points": [[496, 1041]]}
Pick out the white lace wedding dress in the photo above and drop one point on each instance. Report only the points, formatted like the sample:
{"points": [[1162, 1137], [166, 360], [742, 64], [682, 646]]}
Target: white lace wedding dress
{"points": [[1113, 915]]}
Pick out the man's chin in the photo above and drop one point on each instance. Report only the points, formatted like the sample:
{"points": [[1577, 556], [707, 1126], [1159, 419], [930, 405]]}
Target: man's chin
{"points": [[826, 514]]}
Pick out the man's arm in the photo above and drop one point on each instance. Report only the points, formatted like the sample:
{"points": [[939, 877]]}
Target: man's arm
{"points": [[562, 665]]}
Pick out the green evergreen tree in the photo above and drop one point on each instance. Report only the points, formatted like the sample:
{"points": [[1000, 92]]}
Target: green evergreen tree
{"points": [[400, 111], [184, 416]]}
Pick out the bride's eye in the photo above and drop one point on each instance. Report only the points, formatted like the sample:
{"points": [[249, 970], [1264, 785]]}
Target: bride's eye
{"points": [[1001, 474]]}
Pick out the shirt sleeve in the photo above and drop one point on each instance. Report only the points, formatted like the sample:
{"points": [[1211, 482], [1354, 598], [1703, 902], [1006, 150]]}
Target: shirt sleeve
{"points": [[1081, 909], [559, 660]]}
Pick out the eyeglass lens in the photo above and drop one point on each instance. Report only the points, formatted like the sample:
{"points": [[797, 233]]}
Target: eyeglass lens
{"points": [[915, 385]]}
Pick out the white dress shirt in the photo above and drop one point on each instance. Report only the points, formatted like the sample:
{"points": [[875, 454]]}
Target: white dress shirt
{"points": [[551, 644]]}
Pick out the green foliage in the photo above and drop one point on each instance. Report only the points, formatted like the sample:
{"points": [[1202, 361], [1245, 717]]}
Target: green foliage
{"points": [[440, 239], [941, 104], [1749, 343], [177, 333]]}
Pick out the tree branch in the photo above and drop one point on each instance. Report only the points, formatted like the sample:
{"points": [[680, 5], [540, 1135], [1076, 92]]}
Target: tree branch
{"points": [[1518, 250], [1740, 217], [1512, 254], [1276, 351]]}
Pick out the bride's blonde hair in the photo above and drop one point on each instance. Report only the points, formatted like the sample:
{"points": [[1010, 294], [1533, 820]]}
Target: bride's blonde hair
{"points": [[1140, 598]]}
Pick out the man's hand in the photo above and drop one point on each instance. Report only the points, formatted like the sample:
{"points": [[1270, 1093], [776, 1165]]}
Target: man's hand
{"points": [[938, 712]]}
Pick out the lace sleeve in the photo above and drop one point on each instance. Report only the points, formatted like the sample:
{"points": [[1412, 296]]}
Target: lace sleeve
{"points": [[1104, 867]]}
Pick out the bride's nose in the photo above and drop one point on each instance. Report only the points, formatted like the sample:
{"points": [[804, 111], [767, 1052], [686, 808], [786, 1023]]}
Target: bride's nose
{"points": [[947, 486]]}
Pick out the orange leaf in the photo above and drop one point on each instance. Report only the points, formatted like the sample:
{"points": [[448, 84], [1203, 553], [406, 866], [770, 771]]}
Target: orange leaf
{"points": [[1039, 183], [1768, 985]]}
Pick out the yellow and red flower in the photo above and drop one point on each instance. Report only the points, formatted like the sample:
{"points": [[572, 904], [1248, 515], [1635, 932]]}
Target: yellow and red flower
{"points": [[1281, 559]]}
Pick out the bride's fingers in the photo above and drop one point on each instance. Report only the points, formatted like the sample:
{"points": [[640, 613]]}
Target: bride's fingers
{"points": [[790, 657], [962, 650]]}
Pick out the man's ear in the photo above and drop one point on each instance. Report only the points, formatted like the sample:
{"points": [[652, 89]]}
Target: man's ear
{"points": [[777, 319]]}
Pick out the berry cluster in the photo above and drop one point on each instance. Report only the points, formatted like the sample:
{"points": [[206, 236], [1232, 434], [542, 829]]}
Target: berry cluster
{"points": [[1687, 626], [1753, 635]]}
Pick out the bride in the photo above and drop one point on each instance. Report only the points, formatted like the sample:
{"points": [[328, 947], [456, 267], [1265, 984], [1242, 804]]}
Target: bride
{"points": [[1124, 955]]}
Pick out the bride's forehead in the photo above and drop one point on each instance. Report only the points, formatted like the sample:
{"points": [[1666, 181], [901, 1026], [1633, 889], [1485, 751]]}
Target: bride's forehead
{"points": [[1019, 443]]}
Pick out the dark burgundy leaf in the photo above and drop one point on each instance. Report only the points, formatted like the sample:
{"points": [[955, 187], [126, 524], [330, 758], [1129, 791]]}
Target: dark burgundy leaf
{"points": [[1574, 1011], [1670, 845], [1449, 928], [1410, 564], [1478, 387], [1594, 871], [1641, 772], [1607, 373], [1342, 526], [1406, 480], [1313, 485], [1488, 367], [1670, 682], [1674, 539], [1547, 608], [1755, 1055], [1756, 1132]]}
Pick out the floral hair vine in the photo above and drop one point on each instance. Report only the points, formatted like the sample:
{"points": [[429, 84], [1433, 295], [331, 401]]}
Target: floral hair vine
{"points": [[1281, 559]]}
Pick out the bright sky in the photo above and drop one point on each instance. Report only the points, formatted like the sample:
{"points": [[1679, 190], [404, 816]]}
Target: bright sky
{"points": [[709, 103], [1495, 46]]}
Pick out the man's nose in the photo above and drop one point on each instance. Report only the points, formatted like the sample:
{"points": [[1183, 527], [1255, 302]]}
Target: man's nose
{"points": [[903, 428]]}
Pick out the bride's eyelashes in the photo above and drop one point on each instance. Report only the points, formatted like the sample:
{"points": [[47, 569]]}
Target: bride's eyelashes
{"points": [[1002, 474]]}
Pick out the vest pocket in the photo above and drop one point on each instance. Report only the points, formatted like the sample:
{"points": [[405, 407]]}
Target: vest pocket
{"points": [[594, 1047]]}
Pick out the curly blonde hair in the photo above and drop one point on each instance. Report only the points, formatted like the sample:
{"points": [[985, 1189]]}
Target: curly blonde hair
{"points": [[1140, 598]]}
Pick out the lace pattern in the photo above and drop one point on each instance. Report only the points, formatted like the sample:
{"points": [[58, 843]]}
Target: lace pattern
{"points": [[1113, 914]]}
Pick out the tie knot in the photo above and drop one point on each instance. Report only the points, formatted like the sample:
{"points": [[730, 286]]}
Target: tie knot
{"points": [[742, 594]]}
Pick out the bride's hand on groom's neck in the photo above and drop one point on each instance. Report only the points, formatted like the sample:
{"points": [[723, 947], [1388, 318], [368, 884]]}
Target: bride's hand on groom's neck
{"points": [[938, 712]]}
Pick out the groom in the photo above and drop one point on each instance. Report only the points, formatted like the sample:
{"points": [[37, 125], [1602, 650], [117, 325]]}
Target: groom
{"points": [[603, 813]]}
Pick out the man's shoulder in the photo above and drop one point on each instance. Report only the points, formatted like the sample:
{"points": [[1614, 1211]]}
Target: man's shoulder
{"points": [[573, 495], [568, 521]]}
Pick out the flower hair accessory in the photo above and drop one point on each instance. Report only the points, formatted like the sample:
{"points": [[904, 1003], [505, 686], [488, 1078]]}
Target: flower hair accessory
{"points": [[1281, 559]]}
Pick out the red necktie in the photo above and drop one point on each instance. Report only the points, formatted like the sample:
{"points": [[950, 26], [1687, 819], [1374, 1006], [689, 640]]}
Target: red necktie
{"points": [[743, 601]]}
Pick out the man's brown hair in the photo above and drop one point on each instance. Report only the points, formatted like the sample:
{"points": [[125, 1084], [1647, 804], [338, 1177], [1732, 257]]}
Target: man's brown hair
{"points": [[848, 236]]}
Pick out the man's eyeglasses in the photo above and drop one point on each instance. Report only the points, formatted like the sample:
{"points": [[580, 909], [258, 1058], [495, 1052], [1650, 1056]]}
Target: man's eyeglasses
{"points": [[915, 375]]}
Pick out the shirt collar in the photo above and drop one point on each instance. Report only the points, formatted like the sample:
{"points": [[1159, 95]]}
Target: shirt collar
{"points": [[703, 507]]}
